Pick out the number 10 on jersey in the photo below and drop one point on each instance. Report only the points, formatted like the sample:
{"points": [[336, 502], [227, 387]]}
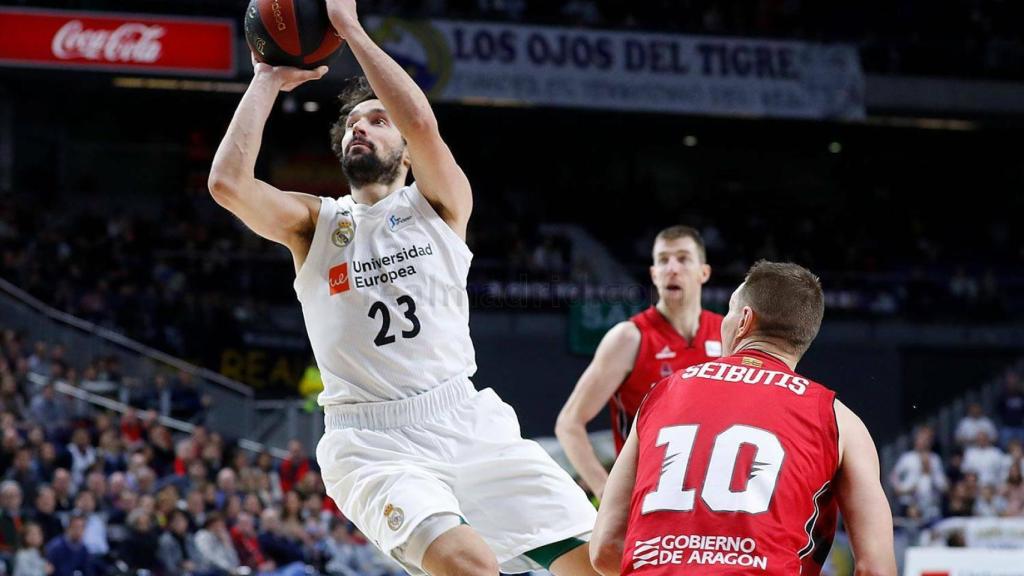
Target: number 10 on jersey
{"points": [[716, 489]]}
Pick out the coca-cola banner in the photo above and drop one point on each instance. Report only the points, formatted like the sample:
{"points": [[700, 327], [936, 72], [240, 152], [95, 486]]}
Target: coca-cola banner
{"points": [[117, 42]]}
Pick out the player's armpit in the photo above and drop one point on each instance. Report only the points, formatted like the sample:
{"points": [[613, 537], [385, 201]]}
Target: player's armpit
{"points": [[288, 218], [608, 540], [612, 363], [861, 498]]}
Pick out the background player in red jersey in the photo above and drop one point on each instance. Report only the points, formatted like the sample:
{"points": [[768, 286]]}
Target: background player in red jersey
{"points": [[739, 466], [636, 354]]}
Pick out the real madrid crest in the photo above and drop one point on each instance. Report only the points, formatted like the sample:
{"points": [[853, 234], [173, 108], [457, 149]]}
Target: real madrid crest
{"points": [[345, 231], [395, 516]]}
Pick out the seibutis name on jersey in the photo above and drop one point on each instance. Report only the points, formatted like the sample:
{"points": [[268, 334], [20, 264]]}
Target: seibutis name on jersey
{"points": [[747, 375], [377, 270]]}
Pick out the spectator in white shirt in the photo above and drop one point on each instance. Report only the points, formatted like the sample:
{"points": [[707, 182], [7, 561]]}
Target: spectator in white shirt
{"points": [[1014, 459], [216, 551], [985, 460], [989, 504], [918, 478], [975, 421], [83, 456], [95, 535]]}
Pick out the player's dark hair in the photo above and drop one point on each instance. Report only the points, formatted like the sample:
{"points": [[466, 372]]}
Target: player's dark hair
{"points": [[677, 232], [356, 91], [788, 301]]}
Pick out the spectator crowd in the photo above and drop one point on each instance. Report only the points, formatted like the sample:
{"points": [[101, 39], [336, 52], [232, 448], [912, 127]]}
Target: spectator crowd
{"points": [[981, 475], [93, 493]]}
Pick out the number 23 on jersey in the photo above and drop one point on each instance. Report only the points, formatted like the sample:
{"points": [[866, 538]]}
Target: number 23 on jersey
{"points": [[384, 336]]}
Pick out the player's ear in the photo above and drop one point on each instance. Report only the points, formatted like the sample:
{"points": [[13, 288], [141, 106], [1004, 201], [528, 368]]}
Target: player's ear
{"points": [[651, 270], [747, 322], [705, 273]]}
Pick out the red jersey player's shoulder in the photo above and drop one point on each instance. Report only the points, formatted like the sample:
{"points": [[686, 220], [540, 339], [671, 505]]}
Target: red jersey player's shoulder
{"points": [[627, 330], [711, 324], [711, 318], [710, 334], [625, 335], [643, 319], [658, 390], [708, 319]]}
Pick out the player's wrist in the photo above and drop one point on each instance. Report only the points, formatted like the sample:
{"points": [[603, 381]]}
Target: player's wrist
{"points": [[352, 31], [265, 78], [343, 20]]}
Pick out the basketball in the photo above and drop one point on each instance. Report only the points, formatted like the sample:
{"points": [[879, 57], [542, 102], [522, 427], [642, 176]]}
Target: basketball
{"points": [[290, 32]]}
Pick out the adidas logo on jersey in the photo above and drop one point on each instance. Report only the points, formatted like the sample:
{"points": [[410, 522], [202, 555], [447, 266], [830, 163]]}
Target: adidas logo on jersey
{"points": [[665, 354]]}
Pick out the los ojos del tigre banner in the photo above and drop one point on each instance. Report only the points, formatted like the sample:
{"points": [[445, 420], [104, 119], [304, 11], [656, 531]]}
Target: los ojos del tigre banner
{"points": [[464, 61], [117, 42]]}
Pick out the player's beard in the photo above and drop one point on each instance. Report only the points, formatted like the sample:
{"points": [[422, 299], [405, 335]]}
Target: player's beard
{"points": [[365, 169]]}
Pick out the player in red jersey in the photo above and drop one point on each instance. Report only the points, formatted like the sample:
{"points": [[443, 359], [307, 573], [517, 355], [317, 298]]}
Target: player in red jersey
{"points": [[636, 354], [740, 466]]}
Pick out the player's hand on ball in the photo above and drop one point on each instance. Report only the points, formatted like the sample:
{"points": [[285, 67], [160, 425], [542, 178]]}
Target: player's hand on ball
{"points": [[286, 77], [343, 15]]}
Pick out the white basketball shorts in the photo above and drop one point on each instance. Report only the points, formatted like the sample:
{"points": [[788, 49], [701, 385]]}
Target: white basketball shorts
{"points": [[391, 465]]}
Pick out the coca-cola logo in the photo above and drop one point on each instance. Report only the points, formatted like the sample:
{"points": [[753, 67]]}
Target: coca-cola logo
{"points": [[130, 42]]}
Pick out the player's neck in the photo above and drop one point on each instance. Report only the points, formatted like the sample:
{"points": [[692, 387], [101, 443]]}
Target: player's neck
{"points": [[769, 348], [684, 316], [370, 194]]}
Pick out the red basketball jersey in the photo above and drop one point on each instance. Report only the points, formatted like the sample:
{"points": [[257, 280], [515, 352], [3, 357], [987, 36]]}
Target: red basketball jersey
{"points": [[735, 472], [663, 351]]}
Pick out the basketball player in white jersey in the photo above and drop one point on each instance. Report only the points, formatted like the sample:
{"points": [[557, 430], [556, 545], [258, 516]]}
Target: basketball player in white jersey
{"points": [[435, 472]]}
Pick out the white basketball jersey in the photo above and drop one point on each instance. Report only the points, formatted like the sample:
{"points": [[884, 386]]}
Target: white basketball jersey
{"points": [[383, 293]]}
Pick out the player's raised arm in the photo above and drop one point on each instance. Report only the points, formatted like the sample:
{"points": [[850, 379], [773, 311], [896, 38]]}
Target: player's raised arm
{"points": [[288, 218], [861, 498], [438, 176], [608, 539], [611, 365]]}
